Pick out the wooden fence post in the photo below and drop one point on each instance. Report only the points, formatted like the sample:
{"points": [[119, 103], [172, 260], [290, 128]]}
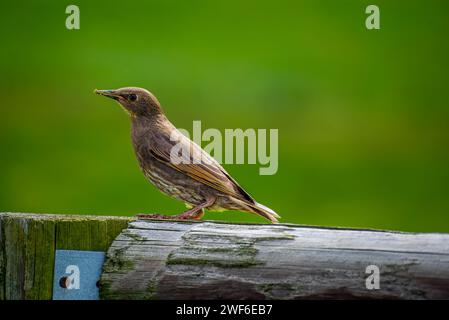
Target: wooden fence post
{"points": [[214, 260], [28, 243]]}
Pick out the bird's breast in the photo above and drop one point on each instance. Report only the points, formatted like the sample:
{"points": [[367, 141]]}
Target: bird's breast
{"points": [[167, 179]]}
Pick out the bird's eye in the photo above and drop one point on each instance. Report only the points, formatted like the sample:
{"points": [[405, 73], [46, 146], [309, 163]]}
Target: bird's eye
{"points": [[132, 97]]}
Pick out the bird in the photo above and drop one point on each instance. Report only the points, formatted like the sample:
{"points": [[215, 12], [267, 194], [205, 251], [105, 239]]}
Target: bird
{"points": [[199, 181]]}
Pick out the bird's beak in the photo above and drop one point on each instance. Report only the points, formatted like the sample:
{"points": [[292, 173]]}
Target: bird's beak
{"points": [[108, 93]]}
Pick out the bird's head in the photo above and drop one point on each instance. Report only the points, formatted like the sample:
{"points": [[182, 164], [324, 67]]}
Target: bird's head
{"points": [[136, 101]]}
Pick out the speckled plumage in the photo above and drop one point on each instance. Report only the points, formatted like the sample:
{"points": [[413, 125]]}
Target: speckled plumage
{"points": [[200, 183]]}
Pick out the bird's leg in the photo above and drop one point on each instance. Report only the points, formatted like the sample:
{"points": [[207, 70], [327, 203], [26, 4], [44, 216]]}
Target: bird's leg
{"points": [[196, 213]]}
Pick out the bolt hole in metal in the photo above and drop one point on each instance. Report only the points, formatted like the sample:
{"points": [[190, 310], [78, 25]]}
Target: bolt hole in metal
{"points": [[64, 282]]}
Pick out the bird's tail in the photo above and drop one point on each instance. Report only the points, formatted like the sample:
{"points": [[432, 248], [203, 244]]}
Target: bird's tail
{"points": [[264, 211]]}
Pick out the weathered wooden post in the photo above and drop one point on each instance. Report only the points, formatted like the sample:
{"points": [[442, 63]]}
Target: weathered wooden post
{"points": [[211, 260], [28, 243], [172, 260]]}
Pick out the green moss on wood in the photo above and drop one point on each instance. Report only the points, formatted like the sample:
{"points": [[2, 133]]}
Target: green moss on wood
{"points": [[238, 253], [152, 290], [116, 261], [221, 250], [2, 262], [106, 292], [87, 234], [15, 258], [134, 236], [223, 263], [272, 290], [39, 259]]}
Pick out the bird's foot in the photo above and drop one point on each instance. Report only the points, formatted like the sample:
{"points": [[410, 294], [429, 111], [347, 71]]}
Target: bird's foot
{"points": [[196, 213], [183, 216], [150, 216]]}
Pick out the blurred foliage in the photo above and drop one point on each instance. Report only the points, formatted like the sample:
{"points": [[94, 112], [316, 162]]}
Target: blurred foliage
{"points": [[363, 116]]}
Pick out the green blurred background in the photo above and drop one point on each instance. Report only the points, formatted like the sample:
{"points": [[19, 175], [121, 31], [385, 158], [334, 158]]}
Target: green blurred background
{"points": [[363, 116]]}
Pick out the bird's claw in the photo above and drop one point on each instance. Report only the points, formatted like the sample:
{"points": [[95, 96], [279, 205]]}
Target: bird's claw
{"points": [[149, 216], [156, 216]]}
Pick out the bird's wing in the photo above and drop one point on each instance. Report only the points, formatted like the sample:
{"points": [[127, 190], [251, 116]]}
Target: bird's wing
{"points": [[197, 164]]}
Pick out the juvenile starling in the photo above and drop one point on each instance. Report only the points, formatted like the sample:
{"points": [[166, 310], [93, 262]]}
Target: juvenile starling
{"points": [[201, 182]]}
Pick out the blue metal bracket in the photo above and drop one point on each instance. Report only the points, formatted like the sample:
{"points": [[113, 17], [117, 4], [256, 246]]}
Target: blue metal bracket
{"points": [[77, 274]]}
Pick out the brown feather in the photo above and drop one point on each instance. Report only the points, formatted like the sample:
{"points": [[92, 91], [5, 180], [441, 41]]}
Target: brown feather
{"points": [[201, 166]]}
